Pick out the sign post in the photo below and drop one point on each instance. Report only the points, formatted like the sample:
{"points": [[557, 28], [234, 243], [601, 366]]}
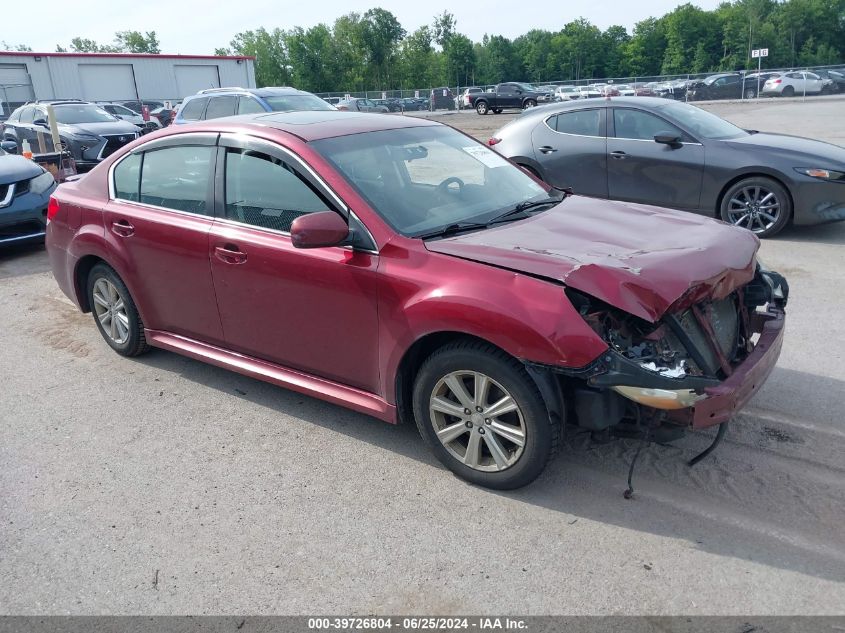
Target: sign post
{"points": [[759, 53]]}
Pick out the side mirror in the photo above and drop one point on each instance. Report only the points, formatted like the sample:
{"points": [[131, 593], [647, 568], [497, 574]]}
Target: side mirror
{"points": [[316, 230], [41, 122], [9, 146], [668, 138]]}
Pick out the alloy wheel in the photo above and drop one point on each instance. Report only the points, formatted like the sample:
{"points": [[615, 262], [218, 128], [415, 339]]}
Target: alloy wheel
{"points": [[755, 208], [477, 421], [110, 310]]}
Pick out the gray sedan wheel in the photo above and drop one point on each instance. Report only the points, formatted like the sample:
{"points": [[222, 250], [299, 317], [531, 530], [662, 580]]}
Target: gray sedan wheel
{"points": [[482, 415], [758, 204]]}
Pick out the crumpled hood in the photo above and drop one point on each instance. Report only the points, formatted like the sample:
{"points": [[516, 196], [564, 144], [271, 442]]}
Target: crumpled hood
{"points": [[638, 258], [15, 168]]}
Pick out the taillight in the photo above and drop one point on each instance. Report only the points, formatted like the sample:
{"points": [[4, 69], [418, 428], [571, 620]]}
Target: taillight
{"points": [[493, 141], [777, 81], [52, 208]]}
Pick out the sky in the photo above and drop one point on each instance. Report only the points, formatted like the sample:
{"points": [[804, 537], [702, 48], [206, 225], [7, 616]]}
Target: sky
{"points": [[197, 27]]}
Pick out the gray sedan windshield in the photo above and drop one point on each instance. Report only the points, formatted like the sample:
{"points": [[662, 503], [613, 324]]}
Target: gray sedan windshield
{"points": [[423, 179]]}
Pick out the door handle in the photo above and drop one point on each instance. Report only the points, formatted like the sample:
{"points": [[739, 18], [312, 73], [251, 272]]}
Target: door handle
{"points": [[618, 155], [547, 149], [229, 254], [123, 228]]}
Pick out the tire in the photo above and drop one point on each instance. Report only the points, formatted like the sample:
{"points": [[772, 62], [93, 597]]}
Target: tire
{"points": [[124, 334], [481, 108], [748, 203], [788, 91], [499, 461], [529, 103], [750, 93]]}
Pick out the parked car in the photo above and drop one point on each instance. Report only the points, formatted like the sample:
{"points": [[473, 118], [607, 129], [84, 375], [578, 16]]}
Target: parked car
{"points": [[755, 180], [477, 296], [391, 103], [588, 92], [355, 104], [545, 93], [332, 100], [215, 103], [411, 104], [675, 89], [833, 81], [122, 112], [441, 99], [566, 93], [721, 86], [505, 96], [25, 189], [792, 83], [754, 83], [464, 100], [89, 133], [625, 90]]}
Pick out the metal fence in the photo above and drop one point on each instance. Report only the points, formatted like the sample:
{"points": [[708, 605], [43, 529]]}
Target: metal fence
{"points": [[670, 86]]}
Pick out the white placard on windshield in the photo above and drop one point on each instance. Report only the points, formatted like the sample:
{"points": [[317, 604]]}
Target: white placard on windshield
{"points": [[485, 156]]}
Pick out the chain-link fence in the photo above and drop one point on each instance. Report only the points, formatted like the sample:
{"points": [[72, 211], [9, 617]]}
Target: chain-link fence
{"points": [[808, 81]]}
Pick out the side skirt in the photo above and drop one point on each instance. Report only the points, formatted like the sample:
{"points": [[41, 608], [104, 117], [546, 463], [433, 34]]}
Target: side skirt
{"points": [[349, 397]]}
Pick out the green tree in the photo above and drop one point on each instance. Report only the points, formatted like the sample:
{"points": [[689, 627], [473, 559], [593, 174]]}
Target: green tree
{"points": [[5, 46], [272, 66], [459, 59], [417, 59], [137, 42], [643, 54], [380, 33]]}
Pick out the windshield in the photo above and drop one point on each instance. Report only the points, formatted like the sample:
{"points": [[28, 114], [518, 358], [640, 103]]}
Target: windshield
{"points": [[83, 113], [297, 103], [700, 122], [424, 179]]}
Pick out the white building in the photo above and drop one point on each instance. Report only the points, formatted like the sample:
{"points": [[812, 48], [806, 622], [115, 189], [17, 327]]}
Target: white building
{"points": [[25, 76]]}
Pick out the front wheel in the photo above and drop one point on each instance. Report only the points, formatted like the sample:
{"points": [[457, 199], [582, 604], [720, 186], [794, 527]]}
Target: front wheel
{"points": [[759, 204], [481, 107], [482, 416]]}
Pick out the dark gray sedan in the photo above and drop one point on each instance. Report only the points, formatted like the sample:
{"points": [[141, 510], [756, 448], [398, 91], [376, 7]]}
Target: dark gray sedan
{"points": [[673, 154]]}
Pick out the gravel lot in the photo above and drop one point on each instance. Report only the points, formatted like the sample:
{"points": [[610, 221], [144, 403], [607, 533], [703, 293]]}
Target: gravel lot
{"points": [[162, 485]]}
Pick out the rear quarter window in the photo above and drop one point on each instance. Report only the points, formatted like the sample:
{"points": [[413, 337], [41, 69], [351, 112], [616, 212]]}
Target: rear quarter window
{"points": [[193, 109]]}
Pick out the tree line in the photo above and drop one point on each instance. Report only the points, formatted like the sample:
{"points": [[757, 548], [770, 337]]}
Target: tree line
{"points": [[372, 50]]}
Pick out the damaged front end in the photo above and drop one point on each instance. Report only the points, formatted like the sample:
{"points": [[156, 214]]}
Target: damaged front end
{"points": [[699, 363]]}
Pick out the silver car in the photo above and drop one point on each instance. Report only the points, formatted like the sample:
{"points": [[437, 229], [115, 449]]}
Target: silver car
{"points": [[796, 82], [354, 104]]}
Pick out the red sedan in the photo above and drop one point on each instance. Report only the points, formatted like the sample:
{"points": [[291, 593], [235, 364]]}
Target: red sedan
{"points": [[398, 267]]}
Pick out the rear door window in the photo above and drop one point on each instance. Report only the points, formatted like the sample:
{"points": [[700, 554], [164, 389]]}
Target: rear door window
{"points": [[578, 122], [221, 106], [193, 109], [248, 105], [177, 178]]}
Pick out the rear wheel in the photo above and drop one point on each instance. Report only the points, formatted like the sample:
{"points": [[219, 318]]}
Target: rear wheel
{"points": [[482, 416], [529, 103], [788, 91], [759, 204], [114, 312], [750, 93], [481, 107]]}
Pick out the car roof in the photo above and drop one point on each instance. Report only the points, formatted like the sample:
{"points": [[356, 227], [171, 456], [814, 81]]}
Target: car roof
{"points": [[270, 91], [314, 125]]}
